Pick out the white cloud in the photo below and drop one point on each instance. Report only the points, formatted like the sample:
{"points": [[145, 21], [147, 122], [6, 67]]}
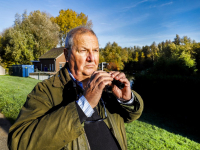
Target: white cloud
{"points": [[171, 24], [166, 4], [134, 5]]}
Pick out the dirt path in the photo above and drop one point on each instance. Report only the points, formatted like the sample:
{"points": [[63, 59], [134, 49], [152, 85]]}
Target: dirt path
{"points": [[4, 128]]}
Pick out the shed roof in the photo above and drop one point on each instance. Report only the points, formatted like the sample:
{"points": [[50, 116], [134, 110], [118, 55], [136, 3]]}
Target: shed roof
{"points": [[52, 53]]}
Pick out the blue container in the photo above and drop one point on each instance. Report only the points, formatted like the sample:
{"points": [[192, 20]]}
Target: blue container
{"points": [[21, 70]]}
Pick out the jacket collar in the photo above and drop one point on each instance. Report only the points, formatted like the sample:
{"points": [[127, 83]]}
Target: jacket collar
{"points": [[61, 77]]}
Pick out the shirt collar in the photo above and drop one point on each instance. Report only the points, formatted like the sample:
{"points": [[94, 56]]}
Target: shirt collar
{"points": [[72, 77]]}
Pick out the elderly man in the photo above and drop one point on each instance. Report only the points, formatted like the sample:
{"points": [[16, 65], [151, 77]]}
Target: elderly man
{"points": [[74, 109]]}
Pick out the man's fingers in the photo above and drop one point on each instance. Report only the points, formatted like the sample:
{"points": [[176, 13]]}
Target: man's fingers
{"points": [[102, 81], [102, 84], [120, 75], [125, 81], [117, 75], [99, 74]]}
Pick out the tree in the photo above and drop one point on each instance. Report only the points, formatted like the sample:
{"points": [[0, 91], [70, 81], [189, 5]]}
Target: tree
{"points": [[31, 36], [115, 55], [196, 49], [17, 47], [185, 40], [177, 40], [146, 51], [178, 58], [154, 51], [69, 19], [43, 30]]}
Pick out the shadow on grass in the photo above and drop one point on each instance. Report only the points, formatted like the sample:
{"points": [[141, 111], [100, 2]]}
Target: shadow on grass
{"points": [[186, 127], [5, 124], [11, 120]]}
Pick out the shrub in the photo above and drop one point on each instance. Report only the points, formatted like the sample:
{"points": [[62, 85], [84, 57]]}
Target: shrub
{"points": [[170, 66]]}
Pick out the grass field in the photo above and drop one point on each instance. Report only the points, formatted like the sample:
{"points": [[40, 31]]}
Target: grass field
{"points": [[13, 93], [151, 132]]}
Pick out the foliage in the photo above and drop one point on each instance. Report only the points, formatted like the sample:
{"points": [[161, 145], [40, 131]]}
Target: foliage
{"points": [[181, 54], [114, 55], [69, 19], [1, 60], [170, 66], [142, 58], [18, 50], [178, 57], [45, 32], [154, 51], [177, 40], [101, 57], [31, 36], [196, 55]]}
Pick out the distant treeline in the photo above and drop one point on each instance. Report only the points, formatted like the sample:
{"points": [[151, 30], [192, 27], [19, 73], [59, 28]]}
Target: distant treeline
{"points": [[170, 57]]}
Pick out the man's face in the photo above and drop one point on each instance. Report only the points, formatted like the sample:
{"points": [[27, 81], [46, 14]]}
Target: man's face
{"points": [[84, 57]]}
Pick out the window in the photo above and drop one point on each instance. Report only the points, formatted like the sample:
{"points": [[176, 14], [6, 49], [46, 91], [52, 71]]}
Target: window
{"points": [[60, 66]]}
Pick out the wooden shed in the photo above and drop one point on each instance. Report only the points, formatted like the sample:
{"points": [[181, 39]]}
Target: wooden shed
{"points": [[51, 61]]}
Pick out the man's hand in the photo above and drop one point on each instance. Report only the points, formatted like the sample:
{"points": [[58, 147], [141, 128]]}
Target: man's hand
{"points": [[124, 93], [95, 86]]}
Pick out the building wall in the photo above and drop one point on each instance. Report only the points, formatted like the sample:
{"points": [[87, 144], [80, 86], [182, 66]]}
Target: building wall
{"points": [[37, 65], [2, 71], [60, 62], [47, 65]]}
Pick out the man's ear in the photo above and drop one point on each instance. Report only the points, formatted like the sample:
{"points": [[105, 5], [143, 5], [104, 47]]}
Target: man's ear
{"points": [[66, 53]]}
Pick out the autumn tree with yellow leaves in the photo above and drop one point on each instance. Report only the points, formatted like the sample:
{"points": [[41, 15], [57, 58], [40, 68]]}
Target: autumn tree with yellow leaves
{"points": [[69, 19], [115, 55]]}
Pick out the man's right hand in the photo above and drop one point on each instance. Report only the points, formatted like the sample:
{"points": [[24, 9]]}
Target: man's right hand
{"points": [[95, 86]]}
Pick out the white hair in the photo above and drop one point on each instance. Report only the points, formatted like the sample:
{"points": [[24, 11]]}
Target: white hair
{"points": [[69, 42]]}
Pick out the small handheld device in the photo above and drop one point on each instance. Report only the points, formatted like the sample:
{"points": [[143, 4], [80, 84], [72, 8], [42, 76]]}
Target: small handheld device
{"points": [[119, 84]]}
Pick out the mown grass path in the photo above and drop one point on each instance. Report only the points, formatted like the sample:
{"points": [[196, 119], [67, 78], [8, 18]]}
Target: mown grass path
{"points": [[141, 134]]}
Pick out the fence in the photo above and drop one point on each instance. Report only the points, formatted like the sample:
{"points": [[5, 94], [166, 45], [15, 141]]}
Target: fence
{"points": [[41, 75]]}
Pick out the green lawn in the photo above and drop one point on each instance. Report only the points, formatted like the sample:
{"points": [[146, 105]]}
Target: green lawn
{"points": [[13, 93], [143, 136], [150, 132]]}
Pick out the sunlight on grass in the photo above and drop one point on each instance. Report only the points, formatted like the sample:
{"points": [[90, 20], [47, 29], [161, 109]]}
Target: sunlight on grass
{"points": [[141, 135], [13, 93]]}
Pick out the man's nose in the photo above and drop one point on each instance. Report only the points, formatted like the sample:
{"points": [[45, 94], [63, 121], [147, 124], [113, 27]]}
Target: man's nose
{"points": [[90, 56]]}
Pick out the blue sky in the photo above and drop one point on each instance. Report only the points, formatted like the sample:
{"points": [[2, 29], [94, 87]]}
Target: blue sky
{"points": [[127, 22]]}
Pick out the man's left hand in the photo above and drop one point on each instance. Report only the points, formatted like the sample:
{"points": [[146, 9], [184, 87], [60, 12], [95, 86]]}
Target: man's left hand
{"points": [[125, 93]]}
